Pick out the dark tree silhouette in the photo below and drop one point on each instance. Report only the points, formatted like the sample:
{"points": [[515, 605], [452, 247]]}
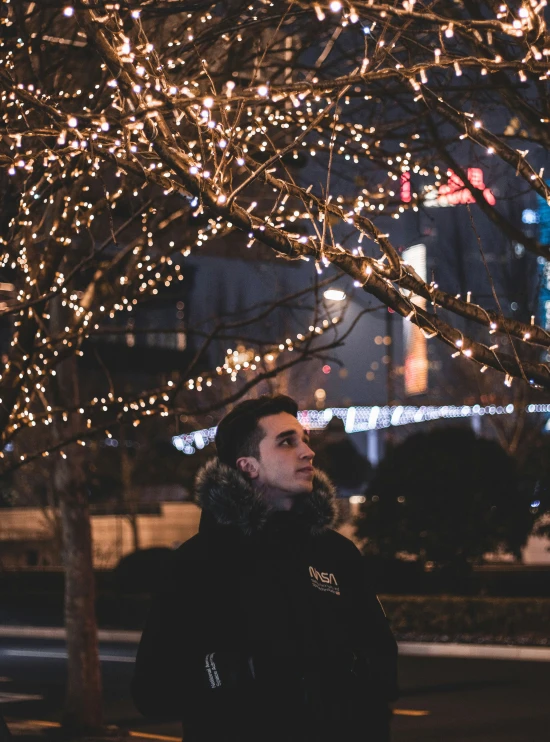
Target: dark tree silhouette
{"points": [[447, 497]]}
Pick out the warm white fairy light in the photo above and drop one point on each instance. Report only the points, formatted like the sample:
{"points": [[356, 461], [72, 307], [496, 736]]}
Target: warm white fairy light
{"points": [[121, 123]]}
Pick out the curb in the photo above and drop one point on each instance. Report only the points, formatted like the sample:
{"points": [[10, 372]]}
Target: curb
{"points": [[34, 632], [474, 651], [406, 649]]}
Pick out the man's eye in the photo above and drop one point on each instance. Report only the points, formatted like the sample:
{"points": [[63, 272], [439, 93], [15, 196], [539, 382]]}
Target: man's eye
{"points": [[286, 441]]}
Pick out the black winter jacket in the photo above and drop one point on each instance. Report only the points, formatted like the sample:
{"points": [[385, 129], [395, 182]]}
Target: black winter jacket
{"points": [[265, 627]]}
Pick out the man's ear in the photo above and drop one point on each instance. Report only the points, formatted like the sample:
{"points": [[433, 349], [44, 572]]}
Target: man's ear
{"points": [[249, 466]]}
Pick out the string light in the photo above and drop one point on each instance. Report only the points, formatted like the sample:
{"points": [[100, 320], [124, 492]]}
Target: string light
{"points": [[155, 118]]}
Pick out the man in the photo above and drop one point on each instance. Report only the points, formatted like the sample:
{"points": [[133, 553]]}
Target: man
{"points": [[266, 628]]}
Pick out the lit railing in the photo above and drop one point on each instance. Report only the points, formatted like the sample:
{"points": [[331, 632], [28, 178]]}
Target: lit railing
{"points": [[360, 419]]}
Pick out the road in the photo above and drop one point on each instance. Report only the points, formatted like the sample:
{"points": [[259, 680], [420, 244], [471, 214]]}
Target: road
{"points": [[443, 700]]}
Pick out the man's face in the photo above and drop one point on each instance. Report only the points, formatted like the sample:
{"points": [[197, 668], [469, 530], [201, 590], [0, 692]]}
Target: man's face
{"points": [[285, 462]]}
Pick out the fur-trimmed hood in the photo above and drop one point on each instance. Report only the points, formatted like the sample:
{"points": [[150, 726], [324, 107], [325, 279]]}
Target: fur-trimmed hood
{"points": [[230, 499]]}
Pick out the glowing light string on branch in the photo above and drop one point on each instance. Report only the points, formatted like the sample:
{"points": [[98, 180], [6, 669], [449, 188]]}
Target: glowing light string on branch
{"points": [[170, 116]]}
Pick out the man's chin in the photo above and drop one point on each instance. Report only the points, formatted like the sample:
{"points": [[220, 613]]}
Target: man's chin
{"points": [[303, 488]]}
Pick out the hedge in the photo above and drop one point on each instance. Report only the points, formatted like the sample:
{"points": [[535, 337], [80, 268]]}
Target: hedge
{"points": [[467, 619], [413, 618]]}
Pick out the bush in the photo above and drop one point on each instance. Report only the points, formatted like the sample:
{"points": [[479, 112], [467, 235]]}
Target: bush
{"points": [[447, 497]]}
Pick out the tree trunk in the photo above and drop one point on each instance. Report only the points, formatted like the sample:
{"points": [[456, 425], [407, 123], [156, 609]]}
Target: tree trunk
{"points": [[54, 519], [83, 704], [134, 527], [128, 494]]}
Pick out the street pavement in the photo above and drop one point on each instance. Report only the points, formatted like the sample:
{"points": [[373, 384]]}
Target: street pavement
{"points": [[442, 700]]}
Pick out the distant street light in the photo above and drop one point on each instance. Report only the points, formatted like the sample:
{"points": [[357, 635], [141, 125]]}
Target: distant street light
{"points": [[334, 295]]}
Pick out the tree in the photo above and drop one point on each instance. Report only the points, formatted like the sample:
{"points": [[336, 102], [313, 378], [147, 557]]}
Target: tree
{"points": [[91, 270], [138, 135], [448, 498], [158, 108]]}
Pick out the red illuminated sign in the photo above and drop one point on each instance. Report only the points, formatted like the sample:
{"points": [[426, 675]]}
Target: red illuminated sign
{"points": [[406, 188], [451, 193], [455, 192]]}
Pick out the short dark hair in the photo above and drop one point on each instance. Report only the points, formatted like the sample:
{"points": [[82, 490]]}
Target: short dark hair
{"points": [[239, 434]]}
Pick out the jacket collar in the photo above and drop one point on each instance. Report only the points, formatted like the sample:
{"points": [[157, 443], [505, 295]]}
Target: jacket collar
{"points": [[228, 499]]}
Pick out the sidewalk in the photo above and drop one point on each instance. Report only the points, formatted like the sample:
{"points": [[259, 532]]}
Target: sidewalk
{"points": [[411, 649]]}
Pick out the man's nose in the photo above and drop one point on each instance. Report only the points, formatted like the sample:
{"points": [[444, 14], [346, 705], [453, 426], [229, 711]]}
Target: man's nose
{"points": [[307, 453]]}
